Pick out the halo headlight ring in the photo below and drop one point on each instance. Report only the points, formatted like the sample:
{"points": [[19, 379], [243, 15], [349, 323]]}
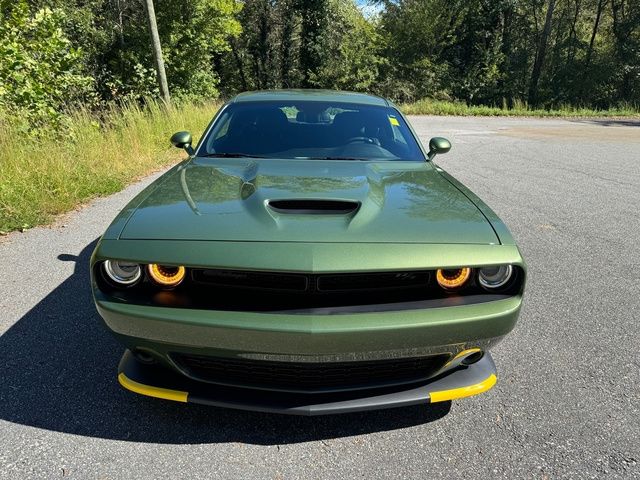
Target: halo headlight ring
{"points": [[121, 273], [453, 278], [495, 277], [166, 276]]}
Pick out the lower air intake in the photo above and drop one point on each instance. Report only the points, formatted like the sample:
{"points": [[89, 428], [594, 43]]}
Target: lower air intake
{"points": [[303, 376]]}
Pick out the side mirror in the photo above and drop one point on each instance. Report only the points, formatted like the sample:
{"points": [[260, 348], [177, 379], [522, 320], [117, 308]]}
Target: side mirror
{"points": [[182, 140], [438, 145]]}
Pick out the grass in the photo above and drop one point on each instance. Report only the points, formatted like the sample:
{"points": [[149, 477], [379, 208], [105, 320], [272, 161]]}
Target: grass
{"points": [[438, 107], [40, 178]]}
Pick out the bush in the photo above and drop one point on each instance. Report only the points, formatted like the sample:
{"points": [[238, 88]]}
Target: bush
{"points": [[40, 72]]}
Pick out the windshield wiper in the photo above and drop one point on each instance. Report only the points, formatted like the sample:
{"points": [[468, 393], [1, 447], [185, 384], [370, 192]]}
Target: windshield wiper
{"points": [[230, 155], [337, 158]]}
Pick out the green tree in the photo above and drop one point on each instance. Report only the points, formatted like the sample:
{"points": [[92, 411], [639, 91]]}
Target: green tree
{"points": [[194, 34], [55, 54], [349, 57], [292, 44], [416, 33], [41, 73]]}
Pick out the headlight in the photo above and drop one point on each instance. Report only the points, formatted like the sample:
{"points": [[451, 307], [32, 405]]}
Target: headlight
{"points": [[165, 275], [451, 278], [495, 277], [122, 273]]}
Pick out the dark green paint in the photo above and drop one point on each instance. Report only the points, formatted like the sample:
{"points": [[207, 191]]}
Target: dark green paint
{"points": [[225, 199], [438, 145], [213, 213], [182, 140], [314, 257], [424, 331]]}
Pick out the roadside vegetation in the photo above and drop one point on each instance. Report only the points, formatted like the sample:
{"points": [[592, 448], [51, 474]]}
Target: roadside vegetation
{"points": [[428, 106], [52, 173], [77, 81]]}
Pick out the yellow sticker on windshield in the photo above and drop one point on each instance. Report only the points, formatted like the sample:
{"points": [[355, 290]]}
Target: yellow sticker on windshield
{"points": [[394, 121]]}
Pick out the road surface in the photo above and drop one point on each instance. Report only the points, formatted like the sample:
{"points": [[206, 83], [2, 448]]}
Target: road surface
{"points": [[567, 402]]}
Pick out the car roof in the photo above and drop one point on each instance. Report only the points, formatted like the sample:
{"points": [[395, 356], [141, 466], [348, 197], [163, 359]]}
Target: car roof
{"points": [[309, 95]]}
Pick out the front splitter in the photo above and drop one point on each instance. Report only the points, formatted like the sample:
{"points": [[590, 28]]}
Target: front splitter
{"points": [[159, 382]]}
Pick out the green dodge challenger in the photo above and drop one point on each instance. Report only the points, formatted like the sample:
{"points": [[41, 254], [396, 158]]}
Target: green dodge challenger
{"points": [[308, 257]]}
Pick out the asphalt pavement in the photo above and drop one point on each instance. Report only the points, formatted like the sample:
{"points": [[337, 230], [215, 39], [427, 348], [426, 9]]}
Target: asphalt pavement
{"points": [[567, 401]]}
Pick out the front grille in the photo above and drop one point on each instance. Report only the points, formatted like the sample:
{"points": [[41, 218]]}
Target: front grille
{"points": [[285, 291], [252, 280], [311, 283], [371, 281], [302, 376]]}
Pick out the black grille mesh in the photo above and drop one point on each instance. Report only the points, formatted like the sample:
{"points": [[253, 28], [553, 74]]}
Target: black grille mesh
{"points": [[298, 282], [250, 280], [301, 376]]}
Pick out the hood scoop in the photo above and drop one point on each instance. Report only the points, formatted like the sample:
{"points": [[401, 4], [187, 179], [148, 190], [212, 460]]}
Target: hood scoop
{"points": [[309, 206]]}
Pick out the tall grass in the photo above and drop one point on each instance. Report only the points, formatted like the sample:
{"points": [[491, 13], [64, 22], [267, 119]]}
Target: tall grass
{"points": [[439, 107], [41, 177]]}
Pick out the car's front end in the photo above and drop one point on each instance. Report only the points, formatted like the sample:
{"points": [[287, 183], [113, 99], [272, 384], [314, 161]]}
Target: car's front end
{"points": [[369, 320], [308, 285]]}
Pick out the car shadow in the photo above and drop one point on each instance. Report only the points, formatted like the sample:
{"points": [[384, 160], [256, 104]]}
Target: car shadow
{"points": [[59, 365], [610, 122]]}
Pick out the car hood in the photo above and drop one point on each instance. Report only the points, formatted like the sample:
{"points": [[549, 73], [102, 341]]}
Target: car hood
{"points": [[237, 200]]}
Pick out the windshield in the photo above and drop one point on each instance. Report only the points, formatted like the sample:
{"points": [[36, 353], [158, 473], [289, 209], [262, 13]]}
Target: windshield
{"points": [[311, 130]]}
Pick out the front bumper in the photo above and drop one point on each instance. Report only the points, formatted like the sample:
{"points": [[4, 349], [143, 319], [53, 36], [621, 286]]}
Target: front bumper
{"points": [[310, 336], [159, 382], [320, 338]]}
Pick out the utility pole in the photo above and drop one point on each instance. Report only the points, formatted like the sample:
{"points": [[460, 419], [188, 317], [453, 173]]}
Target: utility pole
{"points": [[157, 51]]}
